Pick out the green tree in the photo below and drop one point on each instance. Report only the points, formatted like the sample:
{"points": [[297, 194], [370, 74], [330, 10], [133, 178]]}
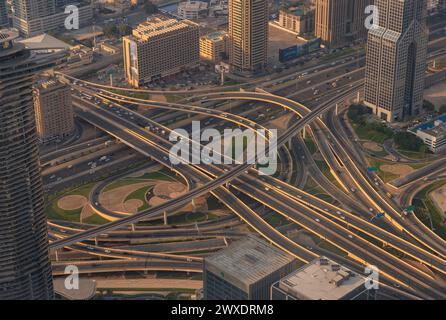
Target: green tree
{"points": [[110, 30], [150, 8], [428, 106], [124, 29], [443, 108], [410, 142], [356, 113]]}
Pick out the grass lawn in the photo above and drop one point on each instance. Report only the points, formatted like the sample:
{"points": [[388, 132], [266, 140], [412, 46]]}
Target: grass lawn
{"points": [[140, 194], [95, 219], [385, 176], [424, 207], [121, 183], [186, 217], [159, 175], [323, 166], [54, 212], [365, 134], [310, 145], [332, 248], [313, 188], [173, 98], [213, 203], [415, 155], [275, 219]]}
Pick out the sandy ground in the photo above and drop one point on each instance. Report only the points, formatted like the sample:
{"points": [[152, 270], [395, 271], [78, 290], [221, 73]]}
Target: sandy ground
{"points": [[132, 205], [114, 199], [436, 94], [158, 97], [372, 146], [165, 191], [169, 189], [280, 123], [86, 212], [438, 196], [72, 202], [148, 283], [400, 169]]}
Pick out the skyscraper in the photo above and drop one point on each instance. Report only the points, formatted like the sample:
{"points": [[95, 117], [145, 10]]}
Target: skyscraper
{"points": [[396, 59], [34, 17], [25, 271], [340, 21], [3, 14], [248, 34]]}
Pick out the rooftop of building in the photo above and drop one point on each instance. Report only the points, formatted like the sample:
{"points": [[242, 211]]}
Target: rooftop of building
{"points": [[158, 25], [48, 82], [216, 35], [249, 259], [8, 35], [321, 279], [45, 41], [438, 131], [433, 127], [193, 5], [298, 9]]}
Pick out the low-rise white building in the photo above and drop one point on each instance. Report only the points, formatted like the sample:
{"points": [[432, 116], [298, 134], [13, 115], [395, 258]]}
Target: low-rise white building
{"points": [[192, 10], [433, 133]]}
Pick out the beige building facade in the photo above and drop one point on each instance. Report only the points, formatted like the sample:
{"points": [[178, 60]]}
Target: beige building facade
{"points": [[214, 46], [53, 109], [298, 20], [158, 48], [248, 34]]}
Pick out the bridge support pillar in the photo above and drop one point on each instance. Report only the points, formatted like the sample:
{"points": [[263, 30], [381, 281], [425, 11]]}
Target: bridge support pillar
{"points": [[304, 132], [194, 208], [358, 97], [337, 109], [133, 227], [165, 218], [95, 241], [56, 254]]}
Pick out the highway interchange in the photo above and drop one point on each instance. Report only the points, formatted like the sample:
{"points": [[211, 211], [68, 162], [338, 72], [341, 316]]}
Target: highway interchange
{"points": [[386, 243]]}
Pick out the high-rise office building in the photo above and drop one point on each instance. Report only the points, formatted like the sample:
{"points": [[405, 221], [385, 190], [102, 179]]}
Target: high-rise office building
{"points": [[25, 270], [53, 109], [396, 59], [245, 270], [34, 17], [248, 34], [160, 47], [3, 14], [340, 21]]}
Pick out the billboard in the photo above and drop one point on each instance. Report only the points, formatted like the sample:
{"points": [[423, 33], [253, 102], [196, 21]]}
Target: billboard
{"points": [[297, 51], [288, 54], [314, 45]]}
